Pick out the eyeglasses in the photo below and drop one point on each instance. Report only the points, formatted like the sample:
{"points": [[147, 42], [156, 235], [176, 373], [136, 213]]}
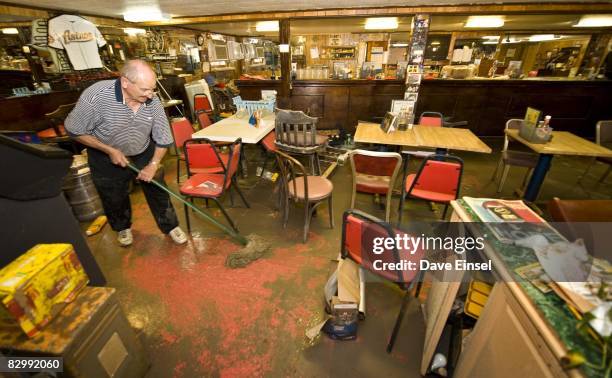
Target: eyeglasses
{"points": [[144, 90]]}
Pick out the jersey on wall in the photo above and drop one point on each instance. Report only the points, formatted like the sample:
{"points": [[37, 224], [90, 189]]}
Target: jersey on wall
{"points": [[79, 37]]}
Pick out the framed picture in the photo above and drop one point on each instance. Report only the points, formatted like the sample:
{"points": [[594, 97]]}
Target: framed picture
{"points": [[413, 79], [398, 105], [411, 96]]}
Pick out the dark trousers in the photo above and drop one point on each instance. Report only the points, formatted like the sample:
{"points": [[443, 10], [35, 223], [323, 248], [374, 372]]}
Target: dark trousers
{"points": [[113, 181]]}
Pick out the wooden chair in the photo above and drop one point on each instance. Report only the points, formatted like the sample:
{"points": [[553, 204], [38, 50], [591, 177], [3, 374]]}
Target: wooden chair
{"points": [[374, 172], [296, 133], [298, 186], [603, 136], [516, 158]]}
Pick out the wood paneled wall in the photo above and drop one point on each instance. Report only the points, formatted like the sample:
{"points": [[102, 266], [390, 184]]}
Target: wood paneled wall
{"points": [[575, 106]]}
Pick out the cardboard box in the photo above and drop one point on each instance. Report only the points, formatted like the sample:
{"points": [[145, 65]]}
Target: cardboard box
{"points": [[38, 285]]}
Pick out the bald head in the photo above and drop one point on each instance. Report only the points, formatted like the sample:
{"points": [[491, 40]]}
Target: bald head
{"points": [[137, 81], [137, 70]]}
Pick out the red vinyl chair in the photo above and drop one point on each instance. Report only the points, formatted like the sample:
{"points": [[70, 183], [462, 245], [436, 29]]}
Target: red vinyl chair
{"points": [[203, 157], [181, 131], [269, 146], [375, 173], [201, 103], [438, 180], [203, 119], [212, 185], [358, 233], [431, 119]]}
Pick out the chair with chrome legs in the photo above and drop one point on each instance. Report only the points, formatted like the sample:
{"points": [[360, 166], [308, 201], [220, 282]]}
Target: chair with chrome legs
{"points": [[603, 136], [513, 157]]}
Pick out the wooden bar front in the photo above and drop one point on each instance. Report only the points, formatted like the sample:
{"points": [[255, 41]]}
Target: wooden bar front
{"points": [[575, 105]]}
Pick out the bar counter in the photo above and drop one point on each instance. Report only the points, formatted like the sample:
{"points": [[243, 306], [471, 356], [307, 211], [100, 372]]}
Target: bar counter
{"points": [[27, 113], [575, 105]]}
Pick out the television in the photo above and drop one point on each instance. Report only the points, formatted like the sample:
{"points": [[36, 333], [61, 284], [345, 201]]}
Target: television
{"points": [[217, 51]]}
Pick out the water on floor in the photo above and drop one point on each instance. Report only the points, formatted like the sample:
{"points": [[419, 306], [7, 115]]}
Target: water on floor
{"points": [[199, 318]]}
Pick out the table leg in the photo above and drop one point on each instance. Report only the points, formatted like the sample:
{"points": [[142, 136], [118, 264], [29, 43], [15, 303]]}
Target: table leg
{"points": [[537, 178]]}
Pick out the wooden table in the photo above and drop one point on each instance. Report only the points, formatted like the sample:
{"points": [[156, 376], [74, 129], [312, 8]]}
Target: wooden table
{"points": [[562, 143], [422, 136], [371, 133], [229, 129]]}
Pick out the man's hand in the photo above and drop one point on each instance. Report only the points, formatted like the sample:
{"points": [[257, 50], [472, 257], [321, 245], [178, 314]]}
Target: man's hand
{"points": [[146, 174], [117, 157]]}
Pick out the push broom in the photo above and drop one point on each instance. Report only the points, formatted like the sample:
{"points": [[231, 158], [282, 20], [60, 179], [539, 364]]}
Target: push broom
{"points": [[254, 245]]}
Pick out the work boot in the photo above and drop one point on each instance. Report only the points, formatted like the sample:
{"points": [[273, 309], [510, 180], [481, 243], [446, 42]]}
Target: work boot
{"points": [[178, 236], [125, 237]]}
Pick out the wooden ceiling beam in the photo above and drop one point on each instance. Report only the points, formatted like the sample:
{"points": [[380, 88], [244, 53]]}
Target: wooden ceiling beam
{"points": [[541, 8]]}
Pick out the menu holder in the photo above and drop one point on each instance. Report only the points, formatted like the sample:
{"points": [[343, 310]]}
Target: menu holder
{"points": [[389, 122], [534, 134]]}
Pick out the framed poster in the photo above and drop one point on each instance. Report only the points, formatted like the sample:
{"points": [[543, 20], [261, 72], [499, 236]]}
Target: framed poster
{"points": [[398, 105]]}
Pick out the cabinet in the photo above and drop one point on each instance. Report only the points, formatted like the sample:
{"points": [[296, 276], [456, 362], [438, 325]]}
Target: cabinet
{"points": [[506, 343]]}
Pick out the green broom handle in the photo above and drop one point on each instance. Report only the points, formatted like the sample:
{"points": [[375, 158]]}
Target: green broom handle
{"points": [[236, 236]]}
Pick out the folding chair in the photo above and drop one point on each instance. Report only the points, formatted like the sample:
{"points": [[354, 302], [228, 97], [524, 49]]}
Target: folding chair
{"points": [[359, 231], [213, 185], [181, 131]]}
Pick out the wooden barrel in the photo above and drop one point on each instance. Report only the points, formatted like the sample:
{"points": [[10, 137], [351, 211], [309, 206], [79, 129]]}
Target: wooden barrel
{"points": [[81, 194]]}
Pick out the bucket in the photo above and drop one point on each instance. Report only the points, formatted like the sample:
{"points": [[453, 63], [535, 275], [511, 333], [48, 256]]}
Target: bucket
{"points": [[81, 194]]}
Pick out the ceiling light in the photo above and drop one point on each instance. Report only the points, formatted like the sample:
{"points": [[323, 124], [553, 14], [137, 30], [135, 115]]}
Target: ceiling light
{"points": [[10, 31], [484, 22], [379, 23], [490, 42], [491, 37], [266, 26], [542, 37], [134, 31], [399, 44], [145, 15], [594, 21]]}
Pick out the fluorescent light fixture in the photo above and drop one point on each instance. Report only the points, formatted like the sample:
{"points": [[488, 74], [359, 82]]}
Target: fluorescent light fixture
{"points": [[283, 47], [399, 44], [145, 15], [379, 23], [542, 37], [490, 42], [134, 31], [594, 21], [484, 22], [491, 37], [266, 26], [10, 31]]}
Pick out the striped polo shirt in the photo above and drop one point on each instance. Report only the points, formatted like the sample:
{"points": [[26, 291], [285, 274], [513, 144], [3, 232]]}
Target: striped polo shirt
{"points": [[102, 113]]}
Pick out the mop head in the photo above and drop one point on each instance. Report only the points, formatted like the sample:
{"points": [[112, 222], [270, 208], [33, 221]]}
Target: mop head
{"points": [[255, 248]]}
